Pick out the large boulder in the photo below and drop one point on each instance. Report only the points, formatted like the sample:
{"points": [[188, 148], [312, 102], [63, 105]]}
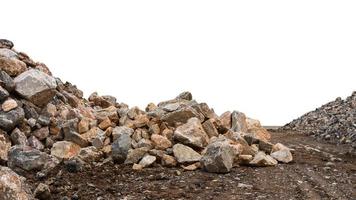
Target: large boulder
{"points": [[192, 134], [120, 147], [35, 86], [219, 156], [13, 186], [9, 120], [27, 158], [238, 122], [185, 154]]}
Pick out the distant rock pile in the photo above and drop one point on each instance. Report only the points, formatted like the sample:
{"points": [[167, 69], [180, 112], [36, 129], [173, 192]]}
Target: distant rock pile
{"points": [[44, 122], [334, 121]]}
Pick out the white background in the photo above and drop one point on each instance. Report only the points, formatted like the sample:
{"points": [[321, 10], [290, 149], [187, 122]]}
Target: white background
{"points": [[273, 60]]}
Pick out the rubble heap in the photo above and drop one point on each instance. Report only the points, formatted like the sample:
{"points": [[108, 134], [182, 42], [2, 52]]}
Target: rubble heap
{"points": [[334, 121], [44, 122]]}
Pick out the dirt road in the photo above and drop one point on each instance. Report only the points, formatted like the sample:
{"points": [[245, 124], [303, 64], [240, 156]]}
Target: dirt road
{"points": [[320, 171]]}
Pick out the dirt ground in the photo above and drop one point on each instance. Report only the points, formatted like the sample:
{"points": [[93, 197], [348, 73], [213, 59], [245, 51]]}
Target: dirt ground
{"points": [[319, 171]]}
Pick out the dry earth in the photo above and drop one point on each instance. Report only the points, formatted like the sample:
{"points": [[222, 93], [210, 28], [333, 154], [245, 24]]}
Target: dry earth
{"points": [[319, 171]]}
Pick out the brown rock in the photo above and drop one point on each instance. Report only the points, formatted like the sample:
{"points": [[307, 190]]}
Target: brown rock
{"points": [[12, 66], [225, 119], [160, 142], [192, 133], [65, 149], [210, 128], [5, 145], [83, 125], [168, 161], [106, 123], [41, 133], [9, 105]]}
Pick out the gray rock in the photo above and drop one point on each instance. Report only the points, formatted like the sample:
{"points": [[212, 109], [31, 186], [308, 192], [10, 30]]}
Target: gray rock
{"points": [[219, 157], [181, 116], [120, 147], [185, 154], [185, 96], [238, 122], [9, 120], [147, 160], [6, 81], [120, 130], [13, 186], [7, 53], [36, 86], [18, 137], [27, 158], [192, 134], [35, 143], [4, 94], [265, 146], [42, 192]]}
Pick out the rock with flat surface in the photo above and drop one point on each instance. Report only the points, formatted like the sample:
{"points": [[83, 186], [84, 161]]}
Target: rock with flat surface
{"points": [[12, 66], [283, 155], [191, 134], [9, 105], [185, 154], [35, 86], [9, 120], [27, 158], [120, 147], [160, 142], [147, 160], [90, 154], [219, 156]]}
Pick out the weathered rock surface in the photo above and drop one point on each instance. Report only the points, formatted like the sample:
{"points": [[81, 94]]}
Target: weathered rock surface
{"points": [[13, 186], [192, 134], [65, 149], [185, 154], [120, 147], [35, 86]]}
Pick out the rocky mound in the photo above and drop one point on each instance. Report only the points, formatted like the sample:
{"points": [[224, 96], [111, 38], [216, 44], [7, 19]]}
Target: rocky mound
{"points": [[334, 121], [44, 122]]}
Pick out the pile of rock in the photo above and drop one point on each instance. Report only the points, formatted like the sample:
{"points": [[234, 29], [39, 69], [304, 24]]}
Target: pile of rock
{"points": [[334, 121], [44, 122]]}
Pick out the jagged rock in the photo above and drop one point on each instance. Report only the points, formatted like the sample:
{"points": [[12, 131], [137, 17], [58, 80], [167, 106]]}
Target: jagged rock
{"points": [[13, 186], [109, 112], [225, 119], [210, 128], [27, 158], [12, 66], [65, 149], [181, 116], [263, 160], [76, 138], [192, 133], [238, 122], [135, 155], [6, 81], [83, 125], [185, 154], [192, 167], [120, 147], [185, 96], [219, 156], [35, 86], [90, 154], [119, 130], [9, 105], [244, 159], [3, 94], [168, 161], [265, 146], [147, 160], [9, 120], [5, 145], [18, 137], [160, 142], [283, 155], [42, 192]]}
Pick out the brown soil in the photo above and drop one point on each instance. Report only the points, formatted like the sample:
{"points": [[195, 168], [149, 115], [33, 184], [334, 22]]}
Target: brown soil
{"points": [[314, 174]]}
